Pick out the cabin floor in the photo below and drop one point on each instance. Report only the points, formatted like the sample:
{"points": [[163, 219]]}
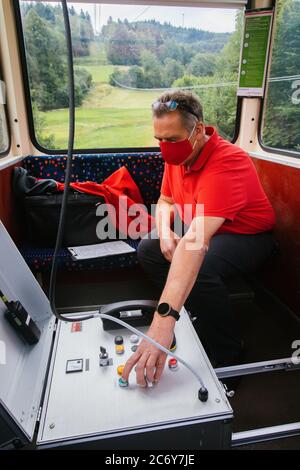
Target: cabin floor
{"points": [[268, 330]]}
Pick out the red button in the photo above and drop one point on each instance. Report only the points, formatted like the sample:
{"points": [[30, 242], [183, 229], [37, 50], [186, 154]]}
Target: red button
{"points": [[173, 363], [76, 327]]}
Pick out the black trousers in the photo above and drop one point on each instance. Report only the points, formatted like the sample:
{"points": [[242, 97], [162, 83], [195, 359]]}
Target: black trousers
{"points": [[228, 255]]}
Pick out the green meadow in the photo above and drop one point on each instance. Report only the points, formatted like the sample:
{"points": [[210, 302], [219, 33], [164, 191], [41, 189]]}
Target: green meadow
{"points": [[109, 117]]}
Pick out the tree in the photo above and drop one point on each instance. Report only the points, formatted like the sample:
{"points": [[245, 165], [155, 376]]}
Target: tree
{"points": [[228, 59], [47, 65], [170, 49], [172, 71], [44, 140], [152, 70], [46, 68], [45, 11], [134, 77], [202, 65], [122, 47], [82, 34]]}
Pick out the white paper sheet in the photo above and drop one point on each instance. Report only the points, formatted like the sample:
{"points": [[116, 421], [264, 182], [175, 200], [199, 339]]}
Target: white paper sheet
{"points": [[99, 250]]}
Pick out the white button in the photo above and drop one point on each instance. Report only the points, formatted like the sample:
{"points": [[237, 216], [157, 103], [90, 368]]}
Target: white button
{"points": [[134, 339]]}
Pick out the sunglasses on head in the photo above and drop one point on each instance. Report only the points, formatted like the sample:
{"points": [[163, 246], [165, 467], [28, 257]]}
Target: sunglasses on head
{"points": [[171, 106]]}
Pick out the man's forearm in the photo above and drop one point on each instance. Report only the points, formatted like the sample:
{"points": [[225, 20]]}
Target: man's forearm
{"points": [[183, 272]]}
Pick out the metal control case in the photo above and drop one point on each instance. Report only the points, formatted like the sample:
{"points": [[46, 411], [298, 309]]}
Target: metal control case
{"points": [[41, 402]]}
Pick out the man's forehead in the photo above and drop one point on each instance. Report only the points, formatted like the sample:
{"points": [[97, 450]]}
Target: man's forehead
{"points": [[168, 124]]}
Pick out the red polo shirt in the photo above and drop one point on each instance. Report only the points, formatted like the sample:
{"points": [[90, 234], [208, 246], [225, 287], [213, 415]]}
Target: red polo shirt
{"points": [[225, 181]]}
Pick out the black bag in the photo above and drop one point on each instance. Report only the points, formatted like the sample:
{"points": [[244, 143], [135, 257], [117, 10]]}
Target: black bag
{"points": [[42, 217], [41, 204]]}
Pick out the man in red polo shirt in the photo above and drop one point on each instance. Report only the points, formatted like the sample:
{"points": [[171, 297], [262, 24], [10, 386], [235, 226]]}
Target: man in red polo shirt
{"points": [[230, 234]]}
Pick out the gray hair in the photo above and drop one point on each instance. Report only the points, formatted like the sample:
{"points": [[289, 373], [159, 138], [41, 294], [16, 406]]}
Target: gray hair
{"points": [[189, 107]]}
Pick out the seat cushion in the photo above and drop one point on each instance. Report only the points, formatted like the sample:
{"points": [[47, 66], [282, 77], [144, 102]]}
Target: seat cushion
{"points": [[40, 259]]}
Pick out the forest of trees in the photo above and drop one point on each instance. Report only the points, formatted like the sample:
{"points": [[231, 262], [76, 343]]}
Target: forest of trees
{"points": [[159, 53], [125, 42]]}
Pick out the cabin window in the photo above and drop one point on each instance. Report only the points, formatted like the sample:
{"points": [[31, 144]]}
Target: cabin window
{"points": [[281, 116], [124, 57], [4, 133]]}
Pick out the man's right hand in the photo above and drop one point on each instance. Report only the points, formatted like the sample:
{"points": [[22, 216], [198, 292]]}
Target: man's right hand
{"points": [[168, 245]]}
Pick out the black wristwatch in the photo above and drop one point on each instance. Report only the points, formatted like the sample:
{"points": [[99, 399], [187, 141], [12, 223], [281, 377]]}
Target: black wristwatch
{"points": [[165, 310]]}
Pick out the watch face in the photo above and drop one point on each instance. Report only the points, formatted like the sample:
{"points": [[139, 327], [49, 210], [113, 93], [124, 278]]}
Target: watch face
{"points": [[163, 308]]}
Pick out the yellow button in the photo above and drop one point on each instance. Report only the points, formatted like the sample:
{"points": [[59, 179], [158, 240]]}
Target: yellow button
{"points": [[119, 348], [120, 369]]}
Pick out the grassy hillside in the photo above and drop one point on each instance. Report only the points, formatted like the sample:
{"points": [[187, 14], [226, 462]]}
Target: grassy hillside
{"points": [[109, 116], [102, 127]]}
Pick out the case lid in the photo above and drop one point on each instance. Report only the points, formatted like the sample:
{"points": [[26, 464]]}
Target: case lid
{"points": [[22, 366]]}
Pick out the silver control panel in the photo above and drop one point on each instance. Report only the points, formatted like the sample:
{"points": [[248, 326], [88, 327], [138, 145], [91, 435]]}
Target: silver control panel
{"points": [[84, 397]]}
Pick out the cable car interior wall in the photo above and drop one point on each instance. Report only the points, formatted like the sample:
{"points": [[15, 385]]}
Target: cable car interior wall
{"points": [[62, 391]]}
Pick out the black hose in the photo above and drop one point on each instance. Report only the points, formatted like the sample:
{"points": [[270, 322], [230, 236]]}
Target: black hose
{"points": [[61, 225]]}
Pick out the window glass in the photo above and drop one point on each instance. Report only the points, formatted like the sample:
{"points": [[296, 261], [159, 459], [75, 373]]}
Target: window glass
{"points": [[125, 56], [281, 118]]}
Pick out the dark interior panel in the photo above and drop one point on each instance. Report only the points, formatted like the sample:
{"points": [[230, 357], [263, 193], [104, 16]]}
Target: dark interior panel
{"points": [[282, 274]]}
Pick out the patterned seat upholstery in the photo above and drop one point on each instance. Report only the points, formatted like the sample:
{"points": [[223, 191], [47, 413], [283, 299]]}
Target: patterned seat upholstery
{"points": [[146, 170]]}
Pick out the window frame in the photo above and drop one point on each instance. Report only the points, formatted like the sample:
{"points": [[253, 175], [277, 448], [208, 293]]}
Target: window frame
{"points": [[266, 148], [89, 151], [263, 105]]}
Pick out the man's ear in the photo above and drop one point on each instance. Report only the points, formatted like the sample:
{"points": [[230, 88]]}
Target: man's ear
{"points": [[200, 130]]}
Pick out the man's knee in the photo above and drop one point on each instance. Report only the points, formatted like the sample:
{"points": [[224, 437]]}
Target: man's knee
{"points": [[209, 267], [209, 281], [215, 265]]}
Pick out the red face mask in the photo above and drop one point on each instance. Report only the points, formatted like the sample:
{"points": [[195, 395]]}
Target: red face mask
{"points": [[175, 153]]}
